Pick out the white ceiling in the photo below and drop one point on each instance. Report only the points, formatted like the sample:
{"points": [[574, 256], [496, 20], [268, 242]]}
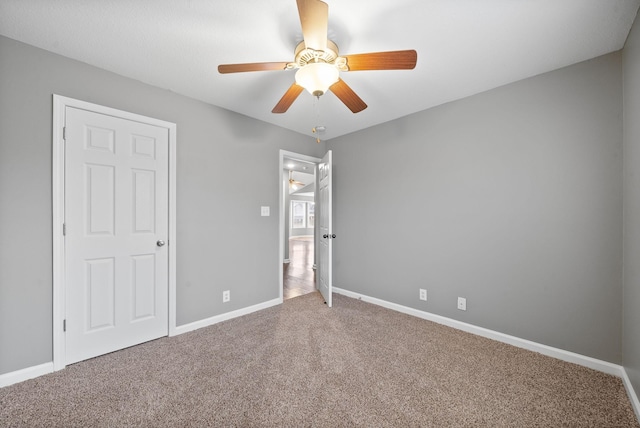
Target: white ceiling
{"points": [[296, 165], [464, 47]]}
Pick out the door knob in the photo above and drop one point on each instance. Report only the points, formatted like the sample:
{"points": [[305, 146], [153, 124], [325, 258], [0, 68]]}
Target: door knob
{"points": [[160, 243], [333, 236], [325, 236]]}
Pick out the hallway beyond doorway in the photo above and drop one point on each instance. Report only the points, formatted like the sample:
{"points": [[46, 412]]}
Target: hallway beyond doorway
{"points": [[299, 275]]}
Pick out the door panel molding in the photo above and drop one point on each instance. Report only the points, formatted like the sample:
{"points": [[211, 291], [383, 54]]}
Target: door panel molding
{"points": [[60, 104]]}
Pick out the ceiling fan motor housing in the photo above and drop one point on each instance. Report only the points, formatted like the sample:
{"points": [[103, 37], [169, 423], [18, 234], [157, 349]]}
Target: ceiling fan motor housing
{"points": [[304, 56]]}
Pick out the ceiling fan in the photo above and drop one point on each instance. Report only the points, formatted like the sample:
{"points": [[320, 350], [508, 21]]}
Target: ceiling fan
{"points": [[294, 183], [319, 63]]}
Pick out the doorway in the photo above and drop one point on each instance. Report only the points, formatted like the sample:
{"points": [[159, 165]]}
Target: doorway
{"points": [[298, 225]]}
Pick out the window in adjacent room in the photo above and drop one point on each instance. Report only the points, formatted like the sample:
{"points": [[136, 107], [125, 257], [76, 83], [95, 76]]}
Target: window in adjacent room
{"points": [[302, 215]]}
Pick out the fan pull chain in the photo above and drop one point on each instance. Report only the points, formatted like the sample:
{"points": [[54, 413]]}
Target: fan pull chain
{"points": [[316, 129]]}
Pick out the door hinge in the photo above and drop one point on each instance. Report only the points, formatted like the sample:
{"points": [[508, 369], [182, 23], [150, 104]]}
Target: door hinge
{"points": [[64, 132], [64, 325], [64, 229]]}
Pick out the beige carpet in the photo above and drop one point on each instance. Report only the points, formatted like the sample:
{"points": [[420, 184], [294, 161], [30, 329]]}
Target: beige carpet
{"points": [[303, 364]]}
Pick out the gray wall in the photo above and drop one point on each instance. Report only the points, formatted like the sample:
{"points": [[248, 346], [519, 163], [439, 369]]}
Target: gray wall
{"points": [[223, 242], [631, 308], [511, 198]]}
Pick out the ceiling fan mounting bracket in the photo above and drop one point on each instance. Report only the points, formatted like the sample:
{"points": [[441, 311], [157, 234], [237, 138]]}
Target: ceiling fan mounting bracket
{"points": [[304, 56]]}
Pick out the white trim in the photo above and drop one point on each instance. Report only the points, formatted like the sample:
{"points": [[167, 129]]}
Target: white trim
{"points": [[286, 261], [571, 357], [281, 208], [25, 374], [58, 239], [633, 397], [172, 246], [226, 316], [60, 103]]}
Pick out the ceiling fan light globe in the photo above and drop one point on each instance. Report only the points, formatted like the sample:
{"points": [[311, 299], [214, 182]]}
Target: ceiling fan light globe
{"points": [[317, 77]]}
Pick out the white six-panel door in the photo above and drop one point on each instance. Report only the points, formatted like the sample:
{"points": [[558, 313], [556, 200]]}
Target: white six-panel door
{"points": [[116, 220], [325, 228]]}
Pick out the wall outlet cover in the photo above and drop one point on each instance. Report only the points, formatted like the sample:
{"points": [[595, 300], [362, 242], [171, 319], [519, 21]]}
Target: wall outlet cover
{"points": [[226, 296], [462, 303], [423, 294]]}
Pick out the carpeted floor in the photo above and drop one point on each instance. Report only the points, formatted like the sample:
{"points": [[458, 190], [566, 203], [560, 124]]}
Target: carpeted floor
{"points": [[302, 364]]}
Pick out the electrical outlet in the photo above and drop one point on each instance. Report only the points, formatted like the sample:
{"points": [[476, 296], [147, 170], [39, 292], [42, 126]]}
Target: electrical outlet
{"points": [[462, 303], [226, 296], [423, 294]]}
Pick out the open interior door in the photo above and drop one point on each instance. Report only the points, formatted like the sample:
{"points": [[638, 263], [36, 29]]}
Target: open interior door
{"points": [[325, 227]]}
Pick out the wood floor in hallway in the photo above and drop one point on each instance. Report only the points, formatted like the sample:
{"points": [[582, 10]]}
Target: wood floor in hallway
{"points": [[299, 275]]}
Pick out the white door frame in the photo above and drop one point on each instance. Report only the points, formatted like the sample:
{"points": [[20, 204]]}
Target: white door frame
{"points": [[60, 104], [281, 208]]}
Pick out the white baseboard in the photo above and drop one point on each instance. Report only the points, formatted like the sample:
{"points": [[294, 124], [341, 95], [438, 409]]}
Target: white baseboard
{"points": [[561, 354], [42, 369], [593, 363], [633, 397], [223, 317], [25, 374]]}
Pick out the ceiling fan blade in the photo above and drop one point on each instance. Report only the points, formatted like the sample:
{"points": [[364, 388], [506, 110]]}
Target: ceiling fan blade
{"points": [[255, 66], [392, 60], [314, 19], [287, 99], [347, 96]]}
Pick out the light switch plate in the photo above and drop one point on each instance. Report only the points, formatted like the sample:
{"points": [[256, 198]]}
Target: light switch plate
{"points": [[264, 211]]}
